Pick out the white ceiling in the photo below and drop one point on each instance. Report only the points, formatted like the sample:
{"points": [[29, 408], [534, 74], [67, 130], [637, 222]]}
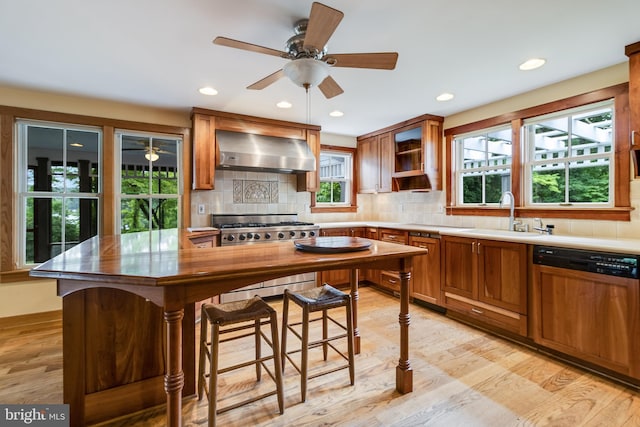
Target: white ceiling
{"points": [[159, 52]]}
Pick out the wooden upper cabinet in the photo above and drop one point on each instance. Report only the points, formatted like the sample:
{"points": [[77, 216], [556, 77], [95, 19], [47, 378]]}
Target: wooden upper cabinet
{"points": [[375, 158], [310, 181], [206, 122], [408, 155], [204, 151], [633, 52]]}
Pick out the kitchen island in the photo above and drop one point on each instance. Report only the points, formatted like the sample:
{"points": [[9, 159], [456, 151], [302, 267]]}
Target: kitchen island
{"points": [[117, 356]]}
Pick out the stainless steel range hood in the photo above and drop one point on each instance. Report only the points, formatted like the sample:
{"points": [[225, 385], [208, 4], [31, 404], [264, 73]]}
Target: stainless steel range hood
{"points": [[245, 151]]}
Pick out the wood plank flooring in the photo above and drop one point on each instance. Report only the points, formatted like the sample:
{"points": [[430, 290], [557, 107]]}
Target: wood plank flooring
{"points": [[462, 377]]}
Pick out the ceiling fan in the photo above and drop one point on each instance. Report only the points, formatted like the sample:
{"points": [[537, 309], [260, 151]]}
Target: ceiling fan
{"points": [[310, 62], [151, 153]]}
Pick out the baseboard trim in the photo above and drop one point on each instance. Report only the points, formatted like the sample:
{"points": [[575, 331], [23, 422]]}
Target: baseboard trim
{"points": [[31, 319]]}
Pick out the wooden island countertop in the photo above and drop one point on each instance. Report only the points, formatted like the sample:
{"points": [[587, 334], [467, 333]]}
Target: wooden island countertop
{"points": [[97, 277]]}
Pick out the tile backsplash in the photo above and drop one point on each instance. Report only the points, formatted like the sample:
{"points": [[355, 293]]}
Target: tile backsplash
{"points": [[255, 192]]}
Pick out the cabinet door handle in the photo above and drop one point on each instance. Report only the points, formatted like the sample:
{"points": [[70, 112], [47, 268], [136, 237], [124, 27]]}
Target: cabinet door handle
{"points": [[392, 281], [478, 248], [473, 247], [633, 137], [476, 311]]}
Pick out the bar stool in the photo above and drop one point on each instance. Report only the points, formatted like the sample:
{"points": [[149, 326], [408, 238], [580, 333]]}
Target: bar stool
{"points": [[322, 298], [254, 310]]}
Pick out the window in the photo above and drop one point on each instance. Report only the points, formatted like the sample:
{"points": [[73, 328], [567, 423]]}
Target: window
{"points": [[336, 189], [150, 181], [58, 188], [571, 156], [484, 165], [335, 178]]}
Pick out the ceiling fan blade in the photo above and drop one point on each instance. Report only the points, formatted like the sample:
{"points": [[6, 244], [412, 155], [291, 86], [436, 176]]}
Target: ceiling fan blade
{"points": [[270, 79], [379, 60], [330, 88], [224, 41], [323, 21]]}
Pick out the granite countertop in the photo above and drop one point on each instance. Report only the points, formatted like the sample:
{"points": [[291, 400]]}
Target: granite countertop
{"points": [[627, 246]]}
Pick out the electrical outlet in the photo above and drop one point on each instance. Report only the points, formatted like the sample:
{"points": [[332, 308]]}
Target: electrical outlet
{"points": [[200, 209], [440, 209]]}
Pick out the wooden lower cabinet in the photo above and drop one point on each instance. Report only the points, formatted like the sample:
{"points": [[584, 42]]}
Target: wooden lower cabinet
{"points": [[590, 316], [369, 275], [486, 281], [339, 277], [390, 280], [425, 276]]}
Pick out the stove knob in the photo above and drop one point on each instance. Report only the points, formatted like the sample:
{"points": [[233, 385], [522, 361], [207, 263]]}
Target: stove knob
{"points": [[267, 235], [312, 234], [256, 236], [242, 237], [303, 233], [249, 235], [292, 233], [230, 238], [281, 235]]}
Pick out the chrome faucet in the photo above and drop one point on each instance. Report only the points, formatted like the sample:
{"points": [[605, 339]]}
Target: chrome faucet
{"points": [[511, 207], [541, 228]]}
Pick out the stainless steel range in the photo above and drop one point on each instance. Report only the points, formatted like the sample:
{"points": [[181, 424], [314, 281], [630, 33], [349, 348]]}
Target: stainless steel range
{"points": [[254, 229]]}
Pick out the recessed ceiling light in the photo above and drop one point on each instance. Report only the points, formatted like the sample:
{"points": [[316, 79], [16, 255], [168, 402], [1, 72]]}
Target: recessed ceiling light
{"points": [[336, 113], [208, 91], [532, 64], [284, 104], [444, 97]]}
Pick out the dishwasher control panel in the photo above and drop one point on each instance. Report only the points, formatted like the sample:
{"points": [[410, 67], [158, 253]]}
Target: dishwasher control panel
{"points": [[611, 264]]}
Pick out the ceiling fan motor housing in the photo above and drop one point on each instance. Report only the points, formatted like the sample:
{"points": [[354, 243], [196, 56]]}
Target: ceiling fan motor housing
{"points": [[295, 44]]}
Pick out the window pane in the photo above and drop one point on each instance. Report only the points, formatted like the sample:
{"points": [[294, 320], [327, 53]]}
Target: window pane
{"points": [[323, 195], [548, 185], [496, 184], [472, 189], [589, 181], [82, 161], [134, 215], [44, 146], [135, 179], [165, 213], [473, 152]]}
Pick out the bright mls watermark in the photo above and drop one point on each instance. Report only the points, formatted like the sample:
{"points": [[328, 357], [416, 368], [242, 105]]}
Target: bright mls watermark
{"points": [[34, 415]]}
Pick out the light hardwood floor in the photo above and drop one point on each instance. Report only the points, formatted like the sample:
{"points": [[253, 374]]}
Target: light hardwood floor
{"points": [[462, 377]]}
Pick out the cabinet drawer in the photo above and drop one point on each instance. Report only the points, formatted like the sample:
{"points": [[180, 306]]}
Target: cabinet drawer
{"points": [[390, 281], [484, 313], [394, 236]]}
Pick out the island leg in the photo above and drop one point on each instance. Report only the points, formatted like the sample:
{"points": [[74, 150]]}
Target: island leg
{"points": [[174, 377], [355, 295], [404, 373]]}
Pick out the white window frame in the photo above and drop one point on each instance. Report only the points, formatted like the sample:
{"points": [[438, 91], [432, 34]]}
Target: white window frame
{"points": [[21, 165], [119, 133], [529, 161], [348, 178], [460, 172]]}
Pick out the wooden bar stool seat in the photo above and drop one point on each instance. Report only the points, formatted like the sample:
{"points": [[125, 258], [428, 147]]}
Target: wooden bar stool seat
{"points": [[232, 318], [322, 298]]}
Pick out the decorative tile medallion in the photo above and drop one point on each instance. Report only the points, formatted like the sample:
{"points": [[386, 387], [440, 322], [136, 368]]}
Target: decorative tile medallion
{"points": [[245, 191]]}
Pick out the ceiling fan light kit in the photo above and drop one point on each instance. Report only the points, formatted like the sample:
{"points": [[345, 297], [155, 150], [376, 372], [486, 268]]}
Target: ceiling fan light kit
{"points": [[306, 72], [309, 62]]}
